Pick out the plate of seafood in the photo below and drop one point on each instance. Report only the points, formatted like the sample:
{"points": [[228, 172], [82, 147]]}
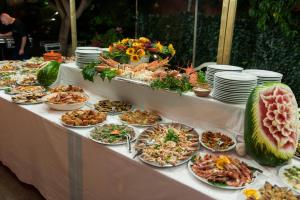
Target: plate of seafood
{"points": [[297, 153], [66, 100], [112, 107], [290, 176], [217, 140], [82, 118], [140, 118], [24, 89], [113, 134], [6, 82], [267, 191], [8, 68], [28, 79], [167, 145], [66, 88], [222, 171], [28, 98]]}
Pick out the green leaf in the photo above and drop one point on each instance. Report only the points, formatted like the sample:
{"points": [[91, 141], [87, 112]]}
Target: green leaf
{"points": [[108, 73], [89, 71]]}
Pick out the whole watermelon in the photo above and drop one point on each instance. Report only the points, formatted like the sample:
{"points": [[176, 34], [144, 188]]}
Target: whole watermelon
{"points": [[271, 121], [47, 74]]}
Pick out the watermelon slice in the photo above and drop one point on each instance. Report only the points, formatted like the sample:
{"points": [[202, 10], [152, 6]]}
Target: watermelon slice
{"points": [[271, 121]]}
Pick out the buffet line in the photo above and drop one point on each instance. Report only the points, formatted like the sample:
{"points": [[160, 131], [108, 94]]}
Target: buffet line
{"points": [[161, 144], [209, 154]]}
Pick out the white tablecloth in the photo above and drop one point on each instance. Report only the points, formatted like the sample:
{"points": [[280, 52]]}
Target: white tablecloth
{"points": [[62, 163]]}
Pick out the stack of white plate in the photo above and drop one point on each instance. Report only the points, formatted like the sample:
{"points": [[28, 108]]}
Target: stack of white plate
{"points": [[233, 87], [87, 55], [212, 69], [265, 75]]}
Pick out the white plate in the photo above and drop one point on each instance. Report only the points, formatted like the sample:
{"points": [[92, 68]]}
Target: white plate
{"points": [[64, 107], [225, 67], [283, 179], [234, 82], [236, 76], [190, 163], [139, 125], [263, 73], [224, 133], [88, 48], [113, 144], [88, 126], [231, 98]]}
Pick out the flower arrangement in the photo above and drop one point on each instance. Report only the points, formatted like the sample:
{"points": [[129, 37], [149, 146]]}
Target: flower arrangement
{"points": [[133, 50]]}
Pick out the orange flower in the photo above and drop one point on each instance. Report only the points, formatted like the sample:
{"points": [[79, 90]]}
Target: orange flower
{"points": [[144, 40], [110, 48], [140, 52], [125, 41]]}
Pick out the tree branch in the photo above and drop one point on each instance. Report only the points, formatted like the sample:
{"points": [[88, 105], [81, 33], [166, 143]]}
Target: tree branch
{"points": [[60, 9], [66, 6], [83, 5]]}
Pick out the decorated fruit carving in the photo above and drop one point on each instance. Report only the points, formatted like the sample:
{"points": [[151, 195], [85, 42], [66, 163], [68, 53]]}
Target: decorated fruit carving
{"points": [[271, 124]]}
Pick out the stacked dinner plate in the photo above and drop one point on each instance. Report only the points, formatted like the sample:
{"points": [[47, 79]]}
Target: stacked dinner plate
{"points": [[86, 55], [212, 69], [233, 87], [264, 76]]}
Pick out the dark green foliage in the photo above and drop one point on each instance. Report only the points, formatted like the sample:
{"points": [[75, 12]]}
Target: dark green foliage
{"points": [[89, 71], [252, 48]]}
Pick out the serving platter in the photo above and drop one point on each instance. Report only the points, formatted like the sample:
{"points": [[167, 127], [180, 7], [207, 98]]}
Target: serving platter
{"points": [[270, 186], [38, 100], [128, 113], [284, 178], [222, 132], [88, 126], [131, 130], [221, 185], [13, 91], [158, 138]]}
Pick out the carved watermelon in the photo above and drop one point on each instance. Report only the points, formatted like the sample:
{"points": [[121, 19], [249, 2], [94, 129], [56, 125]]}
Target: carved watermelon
{"points": [[271, 124]]}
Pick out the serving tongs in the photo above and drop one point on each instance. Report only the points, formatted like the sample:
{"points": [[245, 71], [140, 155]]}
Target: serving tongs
{"points": [[128, 138]]}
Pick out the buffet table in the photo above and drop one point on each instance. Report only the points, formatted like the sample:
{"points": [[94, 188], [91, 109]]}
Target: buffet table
{"points": [[63, 163]]}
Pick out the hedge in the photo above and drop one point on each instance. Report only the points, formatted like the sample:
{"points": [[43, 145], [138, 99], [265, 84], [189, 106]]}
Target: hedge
{"points": [[270, 50]]}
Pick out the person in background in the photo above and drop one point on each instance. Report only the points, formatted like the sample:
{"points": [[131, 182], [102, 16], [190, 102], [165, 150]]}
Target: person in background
{"points": [[18, 32]]}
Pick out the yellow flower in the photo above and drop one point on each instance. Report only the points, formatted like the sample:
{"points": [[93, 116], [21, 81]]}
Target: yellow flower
{"points": [[130, 51], [159, 46], [144, 39], [171, 49], [140, 52], [137, 45], [125, 41], [134, 58]]}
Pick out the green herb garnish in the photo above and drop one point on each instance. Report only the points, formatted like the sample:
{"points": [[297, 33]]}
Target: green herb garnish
{"points": [[108, 73], [172, 83], [201, 77], [171, 136]]}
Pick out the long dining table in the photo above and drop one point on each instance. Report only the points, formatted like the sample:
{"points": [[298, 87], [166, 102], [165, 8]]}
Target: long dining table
{"points": [[64, 163]]}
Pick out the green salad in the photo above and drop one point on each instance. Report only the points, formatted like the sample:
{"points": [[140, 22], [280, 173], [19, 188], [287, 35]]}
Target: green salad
{"points": [[112, 133]]}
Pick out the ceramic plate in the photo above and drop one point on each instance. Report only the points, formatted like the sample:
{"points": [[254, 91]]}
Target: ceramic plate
{"points": [[190, 163]]}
